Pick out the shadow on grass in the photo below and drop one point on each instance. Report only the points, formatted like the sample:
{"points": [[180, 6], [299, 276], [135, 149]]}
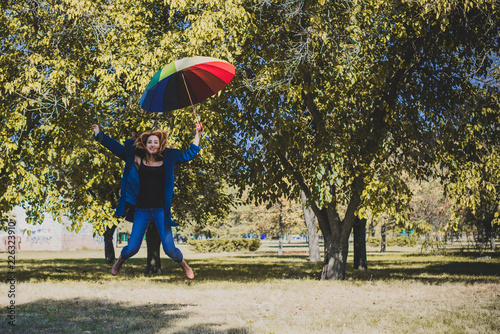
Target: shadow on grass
{"points": [[101, 316], [432, 272], [94, 316], [235, 269], [434, 269], [211, 328]]}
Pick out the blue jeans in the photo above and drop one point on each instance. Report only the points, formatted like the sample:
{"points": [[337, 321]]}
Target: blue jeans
{"points": [[142, 219]]}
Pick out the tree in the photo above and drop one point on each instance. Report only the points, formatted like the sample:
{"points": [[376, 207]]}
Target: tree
{"points": [[469, 167], [48, 92], [247, 218], [383, 238], [428, 210], [343, 95], [109, 250], [359, 236], [337, 99], [471, 171], [312, 233], [68, 64]]}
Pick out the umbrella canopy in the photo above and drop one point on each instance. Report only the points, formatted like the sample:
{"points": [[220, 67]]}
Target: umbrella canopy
{"points": [[185, 82]]}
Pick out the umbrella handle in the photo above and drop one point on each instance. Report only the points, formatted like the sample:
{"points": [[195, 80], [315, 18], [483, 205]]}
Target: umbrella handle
{"points": [[189, 95]]}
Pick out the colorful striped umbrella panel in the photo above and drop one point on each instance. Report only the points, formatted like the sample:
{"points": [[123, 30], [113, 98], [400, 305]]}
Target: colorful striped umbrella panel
{"points": [[186, 82]]}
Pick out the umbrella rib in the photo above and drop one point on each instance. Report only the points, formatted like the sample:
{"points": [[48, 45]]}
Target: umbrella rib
{"points": [[189, 95]]}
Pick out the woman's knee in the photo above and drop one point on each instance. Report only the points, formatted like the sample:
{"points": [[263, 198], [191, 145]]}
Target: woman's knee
{"points": [[130, 250], [173, 253]]}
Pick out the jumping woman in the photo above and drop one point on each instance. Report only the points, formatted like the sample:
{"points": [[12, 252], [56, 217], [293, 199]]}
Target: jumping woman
{"points": [[147, 188]]}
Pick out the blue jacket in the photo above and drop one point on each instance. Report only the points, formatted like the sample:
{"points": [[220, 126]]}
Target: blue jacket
{"points": [[130, 179]]}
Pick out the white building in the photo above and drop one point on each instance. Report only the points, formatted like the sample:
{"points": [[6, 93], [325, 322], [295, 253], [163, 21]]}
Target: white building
{"points": [[50, 235]]}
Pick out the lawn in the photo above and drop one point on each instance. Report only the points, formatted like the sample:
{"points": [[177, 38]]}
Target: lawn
{"points": [[403, 291]]}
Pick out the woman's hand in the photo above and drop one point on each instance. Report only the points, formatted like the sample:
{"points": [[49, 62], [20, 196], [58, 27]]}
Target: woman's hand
{"points": [[199, 130], [96, 129]]}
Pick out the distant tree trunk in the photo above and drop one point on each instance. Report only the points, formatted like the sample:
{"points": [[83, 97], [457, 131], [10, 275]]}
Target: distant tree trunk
{"points": [[490, 235], [382, 238], [153, 244], [280, 242], [312, 233], [359, 233], [109, 249], [426, 243]]}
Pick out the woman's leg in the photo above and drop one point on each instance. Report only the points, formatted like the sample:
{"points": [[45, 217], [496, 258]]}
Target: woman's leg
{"points": [[142, 218], [167, 238], [167, 241]]}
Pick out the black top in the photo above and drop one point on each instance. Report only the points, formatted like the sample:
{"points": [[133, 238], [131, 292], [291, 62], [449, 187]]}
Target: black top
{"points": [[152, 189]]}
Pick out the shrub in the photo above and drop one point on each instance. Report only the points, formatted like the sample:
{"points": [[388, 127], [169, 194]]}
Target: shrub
{"points": [[433, 247], [406, 242], [224, 245], [373, 241], [398, 241]]}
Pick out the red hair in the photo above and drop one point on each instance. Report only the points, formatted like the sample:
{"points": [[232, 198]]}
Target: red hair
{"points": [[140, 143]]}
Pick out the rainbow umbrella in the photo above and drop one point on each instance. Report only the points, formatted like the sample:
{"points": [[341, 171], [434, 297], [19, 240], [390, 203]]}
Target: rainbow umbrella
{"points": [[186, 82]]}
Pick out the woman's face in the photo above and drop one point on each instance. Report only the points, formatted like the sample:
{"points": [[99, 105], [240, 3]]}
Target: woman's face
{"points": [[152, 144]]}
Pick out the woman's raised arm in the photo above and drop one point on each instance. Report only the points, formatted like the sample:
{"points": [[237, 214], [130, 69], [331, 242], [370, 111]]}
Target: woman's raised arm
{"points": [[115, 147]]}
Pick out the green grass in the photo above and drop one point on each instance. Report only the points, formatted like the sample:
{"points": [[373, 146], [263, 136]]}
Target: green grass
{"points": [[401, 292]]}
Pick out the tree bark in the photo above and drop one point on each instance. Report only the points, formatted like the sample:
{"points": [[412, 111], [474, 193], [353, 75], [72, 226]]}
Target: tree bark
{"points": [[312, 233], [382, 239], [490, 235], [109, 249], [335, 260], [359, 234], [153, 242], [337, 232]]}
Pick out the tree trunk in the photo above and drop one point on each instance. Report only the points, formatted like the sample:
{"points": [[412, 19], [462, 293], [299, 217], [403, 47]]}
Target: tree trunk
{"points": [[483, 241], [312, 233], [335, 260], [359, 234], [280, 238], [490, 235], [336, 233], [426, 243], [382, 239], [153, 242], [336, 248], [109, 249]]}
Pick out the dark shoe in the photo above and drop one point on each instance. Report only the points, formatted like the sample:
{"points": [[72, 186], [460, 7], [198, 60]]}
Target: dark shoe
{"points": [[187, 270], [117, 266]]}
